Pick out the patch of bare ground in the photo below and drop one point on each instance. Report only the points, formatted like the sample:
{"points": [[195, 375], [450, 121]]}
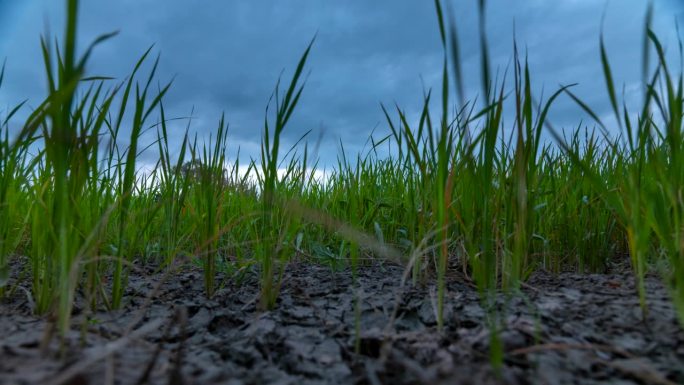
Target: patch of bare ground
{"points": [[565, 329]]}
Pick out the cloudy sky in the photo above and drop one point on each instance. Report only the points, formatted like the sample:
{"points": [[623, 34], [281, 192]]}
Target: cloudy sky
{"points": [[226, 55]]}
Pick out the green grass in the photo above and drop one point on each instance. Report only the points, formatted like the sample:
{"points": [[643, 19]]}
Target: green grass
{"points": [[460, 190]]}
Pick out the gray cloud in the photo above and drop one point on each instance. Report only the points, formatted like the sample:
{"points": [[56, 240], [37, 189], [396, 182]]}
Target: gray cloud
{"points": [[227, 55]]}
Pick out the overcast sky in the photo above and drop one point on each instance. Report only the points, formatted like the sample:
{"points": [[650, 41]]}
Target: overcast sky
{"points": [[227, 55]]}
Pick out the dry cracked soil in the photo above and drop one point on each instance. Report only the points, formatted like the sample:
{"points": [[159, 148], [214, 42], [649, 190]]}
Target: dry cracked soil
{"points": [[560, 329]]}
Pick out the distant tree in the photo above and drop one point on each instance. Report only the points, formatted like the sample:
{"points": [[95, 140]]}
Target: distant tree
{"points": [[193, 170]]}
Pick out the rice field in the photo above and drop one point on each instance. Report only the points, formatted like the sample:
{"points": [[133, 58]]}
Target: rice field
{"points": [[460, 191]]}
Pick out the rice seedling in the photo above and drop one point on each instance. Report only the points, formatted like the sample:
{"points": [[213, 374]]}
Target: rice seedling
{"points": [[645, 200], [171, 195], [13, 204], [13, 174], [70, 131], [127, 176], [269, 250], [208, 200]]}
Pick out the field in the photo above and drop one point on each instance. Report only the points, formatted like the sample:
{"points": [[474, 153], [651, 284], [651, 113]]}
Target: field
{"points": [[473, 253]]}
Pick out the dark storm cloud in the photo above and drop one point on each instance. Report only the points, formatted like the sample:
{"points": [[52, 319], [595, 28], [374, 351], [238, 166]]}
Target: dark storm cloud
{"points": [[227, 55]]}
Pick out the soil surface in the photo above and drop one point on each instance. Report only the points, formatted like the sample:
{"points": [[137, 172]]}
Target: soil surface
{"points": [[561, 329]]}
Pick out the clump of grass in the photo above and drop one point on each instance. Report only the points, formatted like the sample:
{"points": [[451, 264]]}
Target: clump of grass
{"points": [[173, 185], [127, 175], [647, 199], [208, 197], [14, 168], [64, 229], [71, 193], [273, 224]]}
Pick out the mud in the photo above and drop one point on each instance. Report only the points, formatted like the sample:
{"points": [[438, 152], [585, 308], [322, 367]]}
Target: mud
{"points": [[565, 329]]}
